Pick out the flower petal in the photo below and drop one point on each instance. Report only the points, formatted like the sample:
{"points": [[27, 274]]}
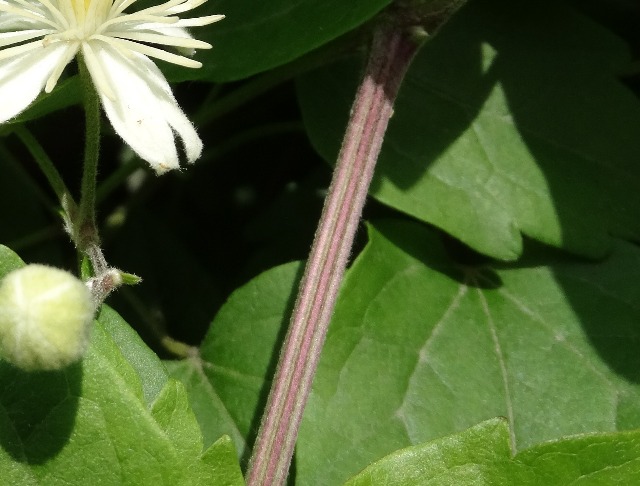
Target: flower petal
{"points": [[15, 37], [143, 110], [23, 77]]}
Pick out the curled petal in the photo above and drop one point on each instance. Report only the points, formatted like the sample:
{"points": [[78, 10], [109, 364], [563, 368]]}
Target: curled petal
{"points": [[23, 77], [142, 109]]}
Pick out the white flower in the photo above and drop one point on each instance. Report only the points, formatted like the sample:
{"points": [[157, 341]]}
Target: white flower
{"points": [[45, 35]]}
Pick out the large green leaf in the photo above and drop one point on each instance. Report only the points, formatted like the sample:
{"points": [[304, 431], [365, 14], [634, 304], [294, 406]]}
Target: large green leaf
{"points": [[509, 122], [590, 460], [113, 418], [420, 347], [257, 35], [481, 456], [227, 382], [418, 351]]}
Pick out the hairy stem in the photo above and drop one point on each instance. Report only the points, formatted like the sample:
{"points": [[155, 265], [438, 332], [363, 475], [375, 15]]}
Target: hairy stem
{"points": [[46, 165], [85, 230], [391, 53]]}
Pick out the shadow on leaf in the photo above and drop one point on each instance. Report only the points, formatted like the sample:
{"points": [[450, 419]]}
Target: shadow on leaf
{"points": [[38, 411]]}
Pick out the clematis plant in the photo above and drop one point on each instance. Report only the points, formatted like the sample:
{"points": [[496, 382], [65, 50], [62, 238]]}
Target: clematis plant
{"points": [[38, 38]]}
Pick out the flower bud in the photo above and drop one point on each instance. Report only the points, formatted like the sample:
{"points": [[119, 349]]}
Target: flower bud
{"points": [[45, 318]]}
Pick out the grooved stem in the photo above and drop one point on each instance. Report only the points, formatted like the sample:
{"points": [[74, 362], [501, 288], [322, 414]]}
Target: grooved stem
{"points": [[391, 53], [85, 231]]}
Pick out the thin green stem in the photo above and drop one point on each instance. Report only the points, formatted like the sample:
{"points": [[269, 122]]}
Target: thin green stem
{"points": [[44, 162], [391, 53]]}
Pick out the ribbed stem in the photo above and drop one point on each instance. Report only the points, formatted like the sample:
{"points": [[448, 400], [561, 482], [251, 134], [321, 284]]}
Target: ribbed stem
{"points": [[85, 231], [391, 53]]}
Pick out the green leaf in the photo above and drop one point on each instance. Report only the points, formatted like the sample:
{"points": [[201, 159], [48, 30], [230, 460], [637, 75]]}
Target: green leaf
{"points": [[256, 36], [152, 373], [113, 418], [421, 347], [9, 261], [480, 455], [220, 465], [596, 460], [504, 128], [449, 346], [227, 384]]}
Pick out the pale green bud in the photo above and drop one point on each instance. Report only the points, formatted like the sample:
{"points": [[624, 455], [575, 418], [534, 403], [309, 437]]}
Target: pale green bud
{"points": [[45, 318]]}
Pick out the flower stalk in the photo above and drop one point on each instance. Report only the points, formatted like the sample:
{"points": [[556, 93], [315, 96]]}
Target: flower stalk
{"points": [[391, 52], [86, 233]]}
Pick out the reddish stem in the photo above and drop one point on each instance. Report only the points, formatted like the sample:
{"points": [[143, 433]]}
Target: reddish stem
{"points": [[391, 53]]}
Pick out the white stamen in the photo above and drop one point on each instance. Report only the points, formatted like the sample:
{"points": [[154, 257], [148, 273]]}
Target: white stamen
{"points": [[119, 5], [27, 14], [66, 57], [162, 9], [151, 51], [17, 50], [162, 39], [9, 38], [116, 47], [186, 6], [56, 13], [97, 73], [135, 18], [199, 21]]}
